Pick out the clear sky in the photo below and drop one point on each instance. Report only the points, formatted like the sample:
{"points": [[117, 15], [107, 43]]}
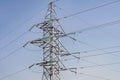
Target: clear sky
{"points": [[17, 16]]}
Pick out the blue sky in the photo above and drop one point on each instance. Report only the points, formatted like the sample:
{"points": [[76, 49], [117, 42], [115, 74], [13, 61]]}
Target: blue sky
{"points": [[17, 16]]}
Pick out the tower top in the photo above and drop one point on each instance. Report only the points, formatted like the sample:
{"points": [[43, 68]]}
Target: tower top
{"points": [[51, 14]]}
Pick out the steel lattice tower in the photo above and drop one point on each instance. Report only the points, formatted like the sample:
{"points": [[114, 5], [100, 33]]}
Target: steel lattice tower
{"points": [[53, 50], [51, 45]]}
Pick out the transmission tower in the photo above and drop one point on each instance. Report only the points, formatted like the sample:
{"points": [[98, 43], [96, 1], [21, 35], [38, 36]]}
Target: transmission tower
{"points": [[53, 50]]}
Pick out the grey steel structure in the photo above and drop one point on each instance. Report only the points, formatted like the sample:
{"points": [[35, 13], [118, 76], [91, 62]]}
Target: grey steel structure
{"points": [[50, 44], [53, 50]]}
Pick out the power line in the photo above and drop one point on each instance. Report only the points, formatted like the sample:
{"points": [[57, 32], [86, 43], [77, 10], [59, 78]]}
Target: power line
{"points": [[100, 54], [8, 33], [99, 26], [91, 9], [70, 53], [93, 76], [106, 53], [17, 72], [95, 48], [22, 70], [76, 17], [87, 51], [111, 47], [28, 49], [12, 41], [11, 53], [90, 28], [99, 65], [12, 74], [34, 71]]}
